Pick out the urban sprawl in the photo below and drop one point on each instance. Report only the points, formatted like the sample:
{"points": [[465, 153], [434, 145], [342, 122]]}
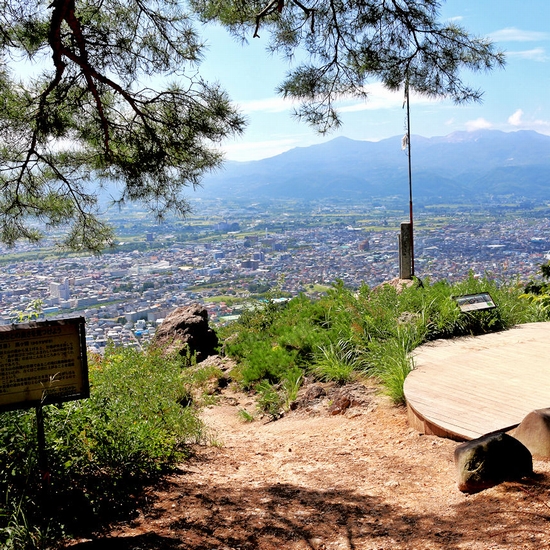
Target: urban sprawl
{"points": [[225, 258]]}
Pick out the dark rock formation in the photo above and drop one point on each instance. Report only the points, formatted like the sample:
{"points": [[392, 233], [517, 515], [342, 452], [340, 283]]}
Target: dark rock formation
{"points": [[186, 330], [490, 460], [315, 391]]}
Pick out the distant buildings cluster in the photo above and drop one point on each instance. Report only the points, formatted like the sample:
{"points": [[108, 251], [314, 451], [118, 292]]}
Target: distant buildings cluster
{"points": [[124, 295]]}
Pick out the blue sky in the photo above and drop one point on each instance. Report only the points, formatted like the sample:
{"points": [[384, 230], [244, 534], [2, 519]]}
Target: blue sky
{"points": [[515, 98]]}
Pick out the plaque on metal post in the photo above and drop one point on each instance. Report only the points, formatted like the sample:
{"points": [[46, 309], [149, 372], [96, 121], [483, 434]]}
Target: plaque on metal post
{"points": [[475, 302]]}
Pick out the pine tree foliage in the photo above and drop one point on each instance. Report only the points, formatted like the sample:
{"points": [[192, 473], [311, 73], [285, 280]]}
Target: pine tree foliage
{"points": [[101, 91], [108, 91], [342, 45]]}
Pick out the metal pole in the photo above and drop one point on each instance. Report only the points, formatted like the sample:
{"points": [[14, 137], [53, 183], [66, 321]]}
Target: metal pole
{"points": [[42, 456], [410, 174]]}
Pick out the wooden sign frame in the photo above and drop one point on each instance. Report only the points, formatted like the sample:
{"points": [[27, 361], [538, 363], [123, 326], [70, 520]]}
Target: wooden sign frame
{"points": [[43, 362]]}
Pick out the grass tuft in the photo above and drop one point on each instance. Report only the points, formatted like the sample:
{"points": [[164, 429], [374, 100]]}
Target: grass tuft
{"points": [[369, 332]]}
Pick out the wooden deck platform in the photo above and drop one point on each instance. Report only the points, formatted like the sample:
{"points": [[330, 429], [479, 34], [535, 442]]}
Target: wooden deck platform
{"points": [[467, 387]]}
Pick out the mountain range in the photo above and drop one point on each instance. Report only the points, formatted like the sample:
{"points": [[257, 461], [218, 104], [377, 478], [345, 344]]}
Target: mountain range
{"points": [[458, 166]]}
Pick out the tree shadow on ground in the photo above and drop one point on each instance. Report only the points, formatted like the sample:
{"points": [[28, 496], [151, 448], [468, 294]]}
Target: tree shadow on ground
{"points": [[137, 542], [285, 516]]}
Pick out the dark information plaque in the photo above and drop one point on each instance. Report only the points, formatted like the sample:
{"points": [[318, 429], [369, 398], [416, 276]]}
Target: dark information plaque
{"points": [[42, 363], [475, 302]]}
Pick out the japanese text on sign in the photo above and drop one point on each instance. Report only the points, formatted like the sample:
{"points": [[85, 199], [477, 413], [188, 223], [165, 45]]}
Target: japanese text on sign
{"points": [[42, 362]]}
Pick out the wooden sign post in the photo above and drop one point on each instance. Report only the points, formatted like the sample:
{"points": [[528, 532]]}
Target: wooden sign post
{"points": [[42, 363]]}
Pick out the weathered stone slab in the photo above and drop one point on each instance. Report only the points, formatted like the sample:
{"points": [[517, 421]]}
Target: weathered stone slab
{"points": [[491, 459], [534, 432]]}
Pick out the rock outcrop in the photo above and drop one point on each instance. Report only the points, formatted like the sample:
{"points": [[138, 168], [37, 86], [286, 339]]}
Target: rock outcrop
{"points": [[186, 331], [534, 432]]}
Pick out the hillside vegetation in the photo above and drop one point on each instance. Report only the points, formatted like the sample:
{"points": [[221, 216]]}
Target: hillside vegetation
{"points": [[142, 418], [371, 332]]}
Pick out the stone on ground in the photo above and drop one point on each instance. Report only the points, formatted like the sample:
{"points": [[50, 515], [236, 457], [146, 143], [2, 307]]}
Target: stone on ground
{"points": [[489, 460], [186, 330], [534, 432]]}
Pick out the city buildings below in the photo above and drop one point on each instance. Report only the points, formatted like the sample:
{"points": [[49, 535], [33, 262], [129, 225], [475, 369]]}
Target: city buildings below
{"points": [[60, 290], [124, 294]]}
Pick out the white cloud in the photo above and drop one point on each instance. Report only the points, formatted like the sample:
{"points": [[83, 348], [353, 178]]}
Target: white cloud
{"points": [[536, 54], [512, 34], [515, 119], [378, 97], [518, 121], [478, 124], [267, 105], [253, 150]]}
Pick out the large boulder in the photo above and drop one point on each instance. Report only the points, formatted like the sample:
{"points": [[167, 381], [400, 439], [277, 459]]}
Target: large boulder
{"points": [[186, 330], [534, 432], [490, 460]]}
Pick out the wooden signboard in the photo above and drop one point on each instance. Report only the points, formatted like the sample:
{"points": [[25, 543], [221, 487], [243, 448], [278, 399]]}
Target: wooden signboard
{"points": [[43, 362]]}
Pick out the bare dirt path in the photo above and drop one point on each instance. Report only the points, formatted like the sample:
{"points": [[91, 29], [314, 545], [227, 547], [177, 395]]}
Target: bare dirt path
{"points": [[313, 480]]}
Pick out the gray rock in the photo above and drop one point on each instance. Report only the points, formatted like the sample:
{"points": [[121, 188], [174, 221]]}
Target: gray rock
{"points": [[534, 432], [490, 460], [186, 330]]}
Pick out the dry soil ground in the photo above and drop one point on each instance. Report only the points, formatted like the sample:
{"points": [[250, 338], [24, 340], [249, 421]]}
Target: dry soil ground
{"points": [[315, 480]]}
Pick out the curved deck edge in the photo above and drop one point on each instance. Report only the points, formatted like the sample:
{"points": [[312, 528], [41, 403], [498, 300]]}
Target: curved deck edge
{"points": [[424, 426], [467, 387]]}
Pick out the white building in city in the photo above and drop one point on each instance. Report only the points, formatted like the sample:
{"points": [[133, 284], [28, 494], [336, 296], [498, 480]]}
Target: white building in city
{"points": [[60, 290]]}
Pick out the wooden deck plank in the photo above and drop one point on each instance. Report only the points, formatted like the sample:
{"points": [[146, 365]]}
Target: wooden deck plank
{"points": [[458, 394], [470, 386]]}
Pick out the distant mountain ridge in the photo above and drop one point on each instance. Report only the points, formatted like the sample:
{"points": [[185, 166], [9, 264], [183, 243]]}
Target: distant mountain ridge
{"points": [[458, 165]]}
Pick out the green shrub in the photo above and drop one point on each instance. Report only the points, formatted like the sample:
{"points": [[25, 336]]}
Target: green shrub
{"points": [[270, 400], [265, 362], [537, 294], [369, 331], [286, 339], [138, 398], [131, 429]]}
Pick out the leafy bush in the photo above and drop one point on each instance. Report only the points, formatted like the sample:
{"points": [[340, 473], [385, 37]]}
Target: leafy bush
{"points": [[370, 331], [537, 293], [100, 450], [271, 340], [270, 400]]}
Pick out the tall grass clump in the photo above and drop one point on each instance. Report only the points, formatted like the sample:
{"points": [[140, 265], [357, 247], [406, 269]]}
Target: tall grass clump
{"points": [[364, 332], [391, 361], [101, 451], [337, 361]]}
